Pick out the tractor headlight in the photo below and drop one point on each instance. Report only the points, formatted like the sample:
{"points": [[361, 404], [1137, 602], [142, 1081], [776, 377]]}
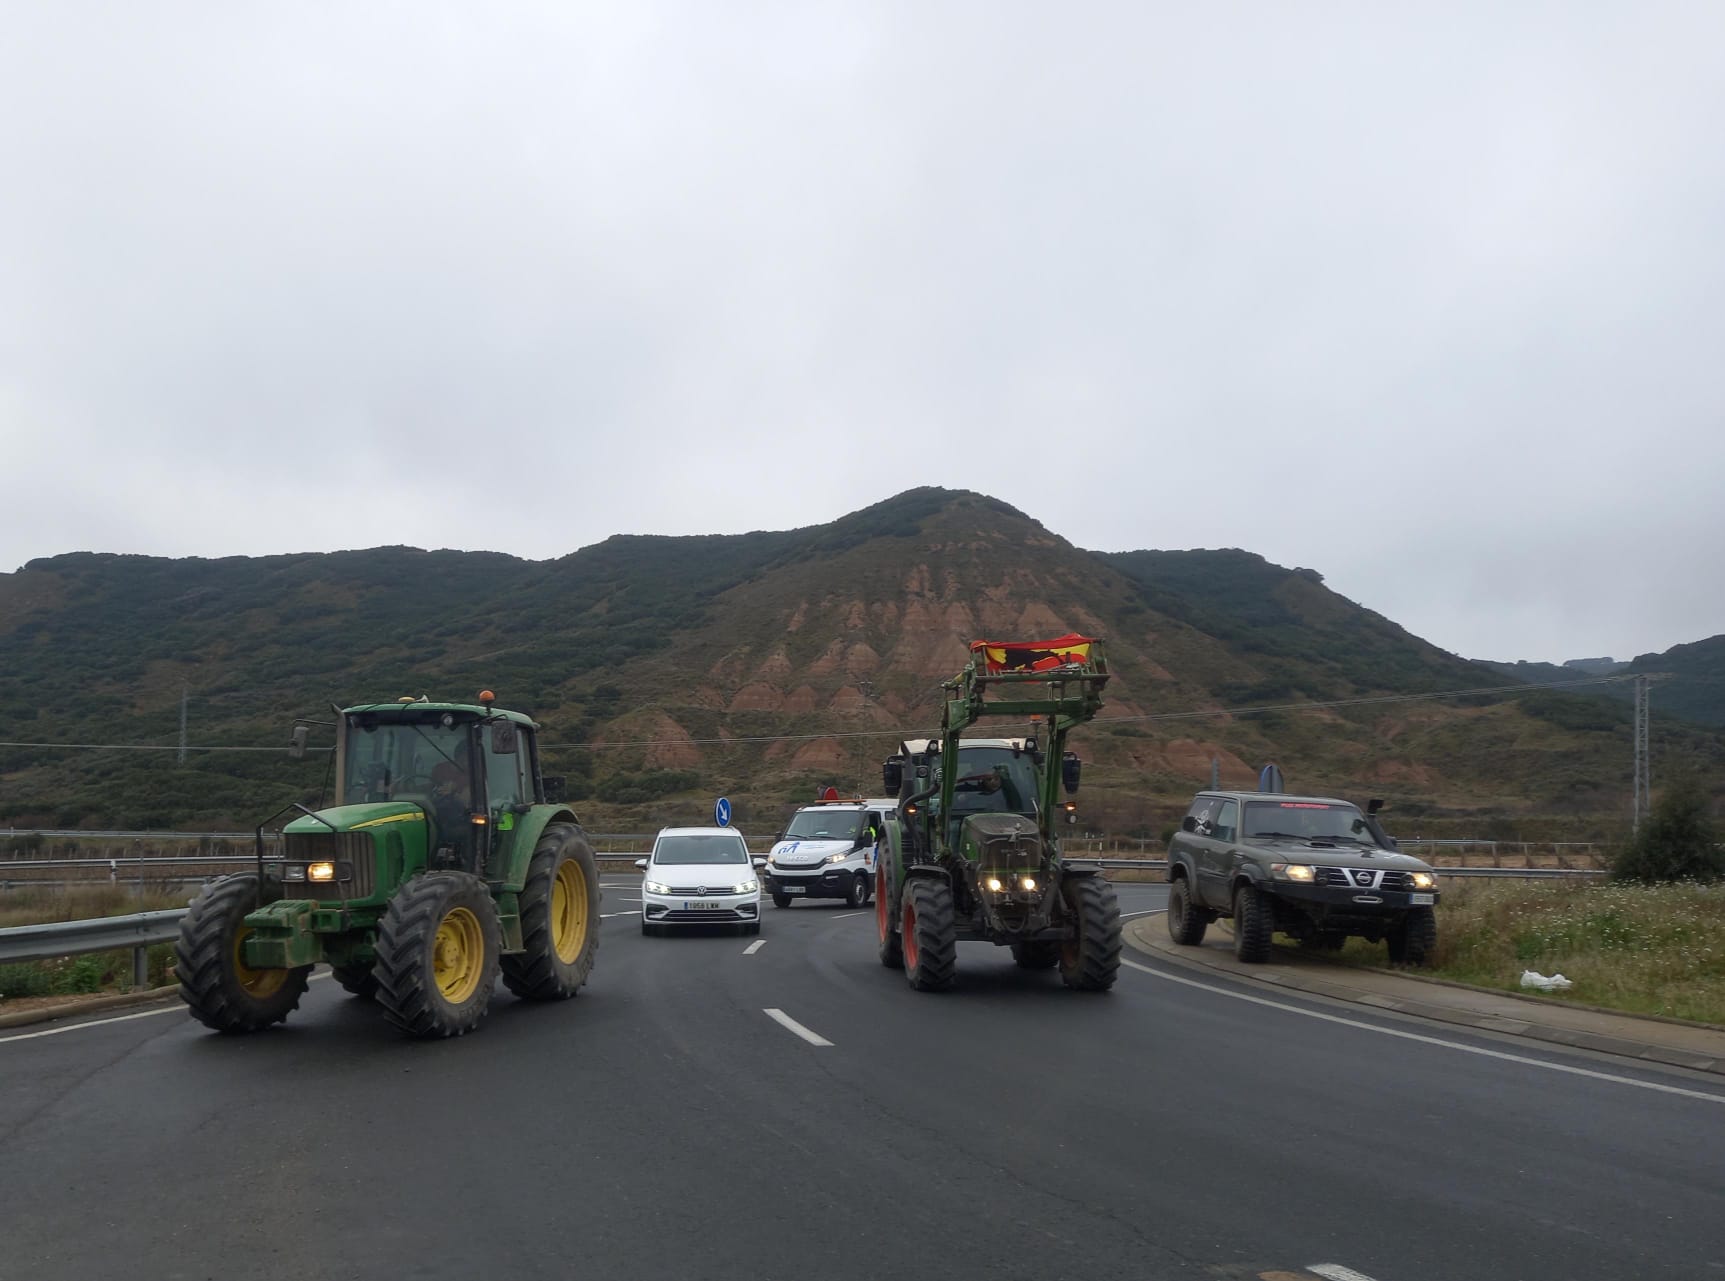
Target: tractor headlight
{"points": [[1424, 880], [837, 858], [1027, 882], [320, 871], [993, 885], [1293, 871], [745, 887], [657, 887]]}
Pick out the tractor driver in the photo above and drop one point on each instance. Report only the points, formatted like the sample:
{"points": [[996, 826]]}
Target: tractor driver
{"points": [[450, 801]]}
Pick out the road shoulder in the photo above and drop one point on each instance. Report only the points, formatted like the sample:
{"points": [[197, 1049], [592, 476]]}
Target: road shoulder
{"points": [[1700, 1049]]}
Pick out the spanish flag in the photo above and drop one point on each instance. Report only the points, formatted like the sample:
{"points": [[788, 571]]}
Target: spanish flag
{"points": [[1000, 657]]}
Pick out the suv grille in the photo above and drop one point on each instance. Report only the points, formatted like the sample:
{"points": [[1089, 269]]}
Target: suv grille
{"points": [[1344, 878]]}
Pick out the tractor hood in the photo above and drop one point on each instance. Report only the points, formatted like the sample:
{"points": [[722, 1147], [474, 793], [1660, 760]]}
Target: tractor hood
{"points": [[797, 853], [353, 818]]}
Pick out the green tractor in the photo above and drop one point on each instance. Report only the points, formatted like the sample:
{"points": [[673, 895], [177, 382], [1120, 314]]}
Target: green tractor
{"points": [[447, 859], [973, 852]]}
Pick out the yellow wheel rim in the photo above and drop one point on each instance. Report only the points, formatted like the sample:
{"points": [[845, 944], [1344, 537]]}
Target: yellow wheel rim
{"points": [[258, 983], [458, 955], [568, 911]]}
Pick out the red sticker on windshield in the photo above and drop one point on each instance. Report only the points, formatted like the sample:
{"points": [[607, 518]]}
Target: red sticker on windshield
{"points": [[1304, 805]]}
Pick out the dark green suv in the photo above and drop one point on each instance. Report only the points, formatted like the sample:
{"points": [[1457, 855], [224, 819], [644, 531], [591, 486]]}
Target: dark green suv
{"points": [[1310, 866]]}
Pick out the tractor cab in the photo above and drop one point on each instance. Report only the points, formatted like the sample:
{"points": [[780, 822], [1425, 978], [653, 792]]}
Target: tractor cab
{"points": [[467, 770]]}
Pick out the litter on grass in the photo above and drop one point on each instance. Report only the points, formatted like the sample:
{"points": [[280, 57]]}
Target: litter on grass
{"points": [[1556, 983]]}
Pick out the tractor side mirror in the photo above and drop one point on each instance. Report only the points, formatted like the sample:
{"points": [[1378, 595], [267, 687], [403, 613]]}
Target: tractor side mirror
{"points": [[1188, 824], [296, 743], [556, 788], [892, 774], [641, 863], [504, 739], [1070, 768]]}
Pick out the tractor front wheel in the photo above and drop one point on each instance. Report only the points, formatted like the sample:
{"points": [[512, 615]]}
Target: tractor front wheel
{"points": [[559, 918], [437, 955], [222, 991], [929, 935], [1090, 958], [891, 946]]}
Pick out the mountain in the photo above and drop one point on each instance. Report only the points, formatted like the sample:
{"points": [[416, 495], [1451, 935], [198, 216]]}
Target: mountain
{"points": [[761, 665], [1689, 680]]}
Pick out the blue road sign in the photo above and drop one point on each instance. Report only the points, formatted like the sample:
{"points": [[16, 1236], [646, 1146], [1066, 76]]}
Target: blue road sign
{"points": [[1270, 779], [722, 812]]}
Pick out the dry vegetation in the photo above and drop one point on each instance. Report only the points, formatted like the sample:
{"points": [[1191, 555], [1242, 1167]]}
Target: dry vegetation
{"points": [[93, 971]]}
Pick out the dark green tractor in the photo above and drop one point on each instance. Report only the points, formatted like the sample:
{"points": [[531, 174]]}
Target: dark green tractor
{"points": [[447, 860], [974, 851]]}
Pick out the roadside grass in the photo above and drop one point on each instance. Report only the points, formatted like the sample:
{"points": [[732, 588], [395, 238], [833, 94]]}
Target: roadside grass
{"points": [[91, 971], [1643, 949]]}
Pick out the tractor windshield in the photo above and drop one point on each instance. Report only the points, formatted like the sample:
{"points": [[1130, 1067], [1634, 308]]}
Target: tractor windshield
{"points": [[407, 760], [994, 780]]}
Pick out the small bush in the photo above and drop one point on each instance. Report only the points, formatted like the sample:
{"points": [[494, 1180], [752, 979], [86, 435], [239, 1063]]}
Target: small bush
{"points": [[1678, 842]]}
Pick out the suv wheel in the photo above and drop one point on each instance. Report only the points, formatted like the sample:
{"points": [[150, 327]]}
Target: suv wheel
{"points": [[1415, 939], [1186, 924], [1254, 922]]}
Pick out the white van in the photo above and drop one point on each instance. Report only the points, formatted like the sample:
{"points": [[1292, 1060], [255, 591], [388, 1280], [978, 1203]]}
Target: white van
{"points": [[827, 850]]}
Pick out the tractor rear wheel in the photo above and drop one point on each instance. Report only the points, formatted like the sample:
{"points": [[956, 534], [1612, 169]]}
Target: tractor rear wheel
{"points": [[559, 918], [1036, 956], [356, 979], [929, 935], [1090, 959], [222, 991], [437, 954], [885, 920]]}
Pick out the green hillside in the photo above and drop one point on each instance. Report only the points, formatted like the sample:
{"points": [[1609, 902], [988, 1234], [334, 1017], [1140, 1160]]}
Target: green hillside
{"points": [[666, 670]]}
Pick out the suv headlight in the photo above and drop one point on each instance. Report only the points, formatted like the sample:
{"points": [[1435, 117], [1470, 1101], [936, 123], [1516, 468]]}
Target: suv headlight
{"points": [[657, 887], [1293, 871], [1424, 880], [746, 887]]}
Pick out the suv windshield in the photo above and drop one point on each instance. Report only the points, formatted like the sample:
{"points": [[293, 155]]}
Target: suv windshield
{"points": [[1306, 820], [700, 847], [824, 825]]}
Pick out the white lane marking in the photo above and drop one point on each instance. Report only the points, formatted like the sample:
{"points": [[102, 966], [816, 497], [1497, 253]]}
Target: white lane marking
{"points": [[1336, 1272], [118, 1018], [844, 915], [754, 947], [787, 1022], [1434, 1040]]}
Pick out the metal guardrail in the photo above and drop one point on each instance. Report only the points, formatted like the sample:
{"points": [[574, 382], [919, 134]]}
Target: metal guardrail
{"points": [[103, 934]]}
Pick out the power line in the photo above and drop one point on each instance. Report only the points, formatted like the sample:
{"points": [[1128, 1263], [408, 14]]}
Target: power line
{"points": [[755, 739]]}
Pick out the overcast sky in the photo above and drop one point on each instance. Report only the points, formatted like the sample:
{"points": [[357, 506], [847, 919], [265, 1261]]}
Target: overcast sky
{"points": [[1428, 298]]}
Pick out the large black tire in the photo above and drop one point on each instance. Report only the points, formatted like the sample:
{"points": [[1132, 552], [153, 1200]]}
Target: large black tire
{"points": [[1186, 923], [358, 980], [891, 949], [1415, 939], [1090, 959], [1254, 923], [437, 955], [1036, 956], [856, 893], [559, 918], [929, 935], [781, 900], [215, 983]]}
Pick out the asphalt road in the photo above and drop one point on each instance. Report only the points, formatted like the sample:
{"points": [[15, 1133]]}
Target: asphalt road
{"points": [[665, 1125]]}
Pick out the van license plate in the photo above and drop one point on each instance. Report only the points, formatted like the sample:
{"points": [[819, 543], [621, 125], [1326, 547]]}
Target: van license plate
{"points": [[793, 889]]}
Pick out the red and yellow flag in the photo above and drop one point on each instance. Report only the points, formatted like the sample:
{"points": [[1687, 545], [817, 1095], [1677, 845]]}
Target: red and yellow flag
{"points": [[1000, 657]]}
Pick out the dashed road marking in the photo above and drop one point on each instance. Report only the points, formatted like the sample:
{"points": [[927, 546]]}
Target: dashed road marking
{"points": [[787, 1022], [845, 915], [1433, 1040], [754, 947]]}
